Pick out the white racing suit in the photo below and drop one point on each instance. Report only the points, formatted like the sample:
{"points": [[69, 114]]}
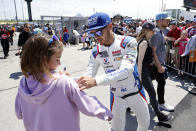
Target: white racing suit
{"points": [[118, 61]]}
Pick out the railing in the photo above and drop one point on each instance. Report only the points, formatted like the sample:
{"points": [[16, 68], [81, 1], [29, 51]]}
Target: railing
{"points": [[183, 64]]}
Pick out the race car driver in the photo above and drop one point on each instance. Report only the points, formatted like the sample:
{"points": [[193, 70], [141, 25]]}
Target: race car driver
{"points": [[117, 55]]}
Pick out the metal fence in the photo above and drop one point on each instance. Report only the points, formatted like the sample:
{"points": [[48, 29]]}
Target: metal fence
{"points": [[183, 64]]}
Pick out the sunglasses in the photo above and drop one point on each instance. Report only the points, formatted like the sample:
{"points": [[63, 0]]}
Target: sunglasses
{"points": [[54, 38], [98, 33]]}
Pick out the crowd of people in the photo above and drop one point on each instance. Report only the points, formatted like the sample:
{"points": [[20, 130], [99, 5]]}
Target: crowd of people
{"points": [[132, 55], [177, 35], [130, 63]]}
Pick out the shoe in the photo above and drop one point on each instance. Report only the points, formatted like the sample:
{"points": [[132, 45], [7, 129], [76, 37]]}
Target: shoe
{"points": [[5, 57], [163, 118], [19, 53], [192, 90], [130, 111], [16, 54], [166, 107]]}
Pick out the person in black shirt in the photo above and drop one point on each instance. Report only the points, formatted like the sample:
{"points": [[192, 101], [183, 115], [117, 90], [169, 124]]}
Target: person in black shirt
{"points": [[118, 29], [4, 36], [23, 37], [49, 29], [146, 65]]}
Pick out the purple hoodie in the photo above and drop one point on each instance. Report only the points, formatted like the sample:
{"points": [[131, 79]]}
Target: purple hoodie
{"points": [[55, 105]]}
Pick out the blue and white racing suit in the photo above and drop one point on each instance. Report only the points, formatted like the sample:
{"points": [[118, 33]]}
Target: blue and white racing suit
{"points": [[118, 61]]}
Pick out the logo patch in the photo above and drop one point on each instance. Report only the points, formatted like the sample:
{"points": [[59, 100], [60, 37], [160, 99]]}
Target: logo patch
{"points": [[106, 61], [130, 59], [116, 53], [123, 89], [118, 58], [92, 21], [109, 71]]}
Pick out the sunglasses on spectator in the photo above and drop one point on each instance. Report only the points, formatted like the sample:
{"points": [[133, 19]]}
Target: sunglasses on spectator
{"points": [[54, 38], [98, 33]]}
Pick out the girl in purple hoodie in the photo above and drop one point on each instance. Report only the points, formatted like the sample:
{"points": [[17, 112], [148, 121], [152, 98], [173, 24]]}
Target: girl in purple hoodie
{"points": [[47, 100]]}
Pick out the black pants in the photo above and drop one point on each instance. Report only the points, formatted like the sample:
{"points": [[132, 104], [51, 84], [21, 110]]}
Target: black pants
{"points": [[148, 85], [5, 46], [11, 40], [184, 63], [161, 80], [191, 67]]}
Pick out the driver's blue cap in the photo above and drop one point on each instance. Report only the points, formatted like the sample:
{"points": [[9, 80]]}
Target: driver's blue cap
{"points": [[98, 21]]}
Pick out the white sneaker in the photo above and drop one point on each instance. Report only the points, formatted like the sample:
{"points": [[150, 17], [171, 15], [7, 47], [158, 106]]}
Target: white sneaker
{"points": [[192, 90], [131, 112], [166, 107]]}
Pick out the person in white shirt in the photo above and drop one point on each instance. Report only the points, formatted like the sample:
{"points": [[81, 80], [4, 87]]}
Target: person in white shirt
{"points": [[76, 36], [138, 28]]}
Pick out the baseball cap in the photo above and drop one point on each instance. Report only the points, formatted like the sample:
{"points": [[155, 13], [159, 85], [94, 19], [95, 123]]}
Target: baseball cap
{"points": [[161, 16], [98, 21], [173, 22], [148, 25]]}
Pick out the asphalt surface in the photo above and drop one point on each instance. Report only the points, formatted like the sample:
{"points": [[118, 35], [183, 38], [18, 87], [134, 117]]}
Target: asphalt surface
{"points": [[75, 60]]}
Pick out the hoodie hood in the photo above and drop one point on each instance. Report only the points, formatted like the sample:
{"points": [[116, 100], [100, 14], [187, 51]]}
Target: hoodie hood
{"points": [[34, 91]]}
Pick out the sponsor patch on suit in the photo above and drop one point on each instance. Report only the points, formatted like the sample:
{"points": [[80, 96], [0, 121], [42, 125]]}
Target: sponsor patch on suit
{"points": [[106, 61], [116, 53], [118, 58]]}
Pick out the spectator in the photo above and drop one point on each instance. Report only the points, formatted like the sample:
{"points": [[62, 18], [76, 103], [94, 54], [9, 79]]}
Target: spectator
{"points": [[192, 30], [118, 29], [138, 29], [174, 33], [36, 30], [65, 36], [146, 66], [159, 52], [182, 42], [47, 100], [23, 37], [76, 37], [4, 37]]}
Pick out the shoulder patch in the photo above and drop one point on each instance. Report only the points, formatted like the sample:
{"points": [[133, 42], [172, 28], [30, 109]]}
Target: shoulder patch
{"points": [[95, 51], [125, 41]]}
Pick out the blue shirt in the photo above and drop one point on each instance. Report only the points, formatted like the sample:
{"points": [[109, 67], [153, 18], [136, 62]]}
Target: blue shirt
{"points": [[158, 41]]}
